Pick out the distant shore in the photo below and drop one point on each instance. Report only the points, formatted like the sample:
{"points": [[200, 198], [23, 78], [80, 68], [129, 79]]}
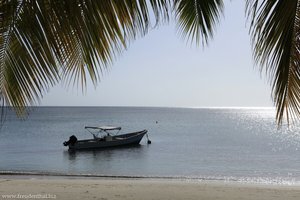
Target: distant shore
{"points": [[72, 187]]}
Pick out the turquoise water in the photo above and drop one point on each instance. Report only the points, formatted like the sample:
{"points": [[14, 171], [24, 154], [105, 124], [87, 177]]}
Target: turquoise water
{"points": [[221, 144]]}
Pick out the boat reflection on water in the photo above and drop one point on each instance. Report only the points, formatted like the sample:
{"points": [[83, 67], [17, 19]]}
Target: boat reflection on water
{"points": [[72, 154], [105, 161]]}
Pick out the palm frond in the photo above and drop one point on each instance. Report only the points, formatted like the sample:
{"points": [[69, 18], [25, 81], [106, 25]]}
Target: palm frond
{"points": [[46, 41], [27, 63], [197, 18], [275, 31]]}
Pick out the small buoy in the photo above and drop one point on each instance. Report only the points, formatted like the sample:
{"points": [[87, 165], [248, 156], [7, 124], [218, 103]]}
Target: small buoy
{"points": [[148, 141], [156, 122]]}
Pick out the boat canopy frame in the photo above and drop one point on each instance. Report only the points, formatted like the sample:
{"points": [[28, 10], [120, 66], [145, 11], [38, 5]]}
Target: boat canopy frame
{"points": [[100, 129]]}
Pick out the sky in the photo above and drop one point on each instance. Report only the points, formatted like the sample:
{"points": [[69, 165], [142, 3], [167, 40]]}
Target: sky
{"points": [[163, 70]]}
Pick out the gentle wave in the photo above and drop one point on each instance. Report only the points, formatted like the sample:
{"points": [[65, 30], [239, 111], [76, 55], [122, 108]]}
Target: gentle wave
{"points": [[243, 180]]}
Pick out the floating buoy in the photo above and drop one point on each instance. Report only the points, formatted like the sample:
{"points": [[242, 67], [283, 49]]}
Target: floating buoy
{"points": [[148, 141]]}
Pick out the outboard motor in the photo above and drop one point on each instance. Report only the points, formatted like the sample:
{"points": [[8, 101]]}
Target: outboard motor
{"points": [[72, 141]]}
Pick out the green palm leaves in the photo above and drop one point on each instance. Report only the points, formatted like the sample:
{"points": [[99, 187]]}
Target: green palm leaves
{"points": [[47, 41], [196, 19], [27, 63], [43, 42], [275, 33]]}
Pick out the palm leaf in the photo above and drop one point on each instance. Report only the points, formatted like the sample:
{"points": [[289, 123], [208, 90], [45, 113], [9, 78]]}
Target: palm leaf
{"points": [[44, 42], [197, 18], [27, 64], [275, 30]]}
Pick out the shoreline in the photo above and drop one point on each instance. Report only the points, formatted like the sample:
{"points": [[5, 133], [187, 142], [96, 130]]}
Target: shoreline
{"points": [[232, 180], [107, 188], [58, 175]]}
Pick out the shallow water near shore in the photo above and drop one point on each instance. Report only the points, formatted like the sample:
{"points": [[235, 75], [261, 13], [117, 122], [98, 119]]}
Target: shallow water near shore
{"points": [[239, 144]]}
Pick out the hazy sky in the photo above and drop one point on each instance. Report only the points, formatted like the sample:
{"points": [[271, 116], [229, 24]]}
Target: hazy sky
{"points": [[161, 69]]}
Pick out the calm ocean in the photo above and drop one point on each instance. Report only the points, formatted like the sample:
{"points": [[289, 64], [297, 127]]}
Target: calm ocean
{"points": [[214, 144]]}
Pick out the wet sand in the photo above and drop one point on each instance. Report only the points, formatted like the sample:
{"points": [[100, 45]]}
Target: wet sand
{"points": [[31, 187]]}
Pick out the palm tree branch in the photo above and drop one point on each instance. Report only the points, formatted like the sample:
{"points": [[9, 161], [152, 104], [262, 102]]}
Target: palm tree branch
{"points": [[27, 64], [197, 18], [44, 41], [275, 37]]}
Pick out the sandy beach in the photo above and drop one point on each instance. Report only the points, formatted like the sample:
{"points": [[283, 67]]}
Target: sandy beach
{"points": [[12, 187]]}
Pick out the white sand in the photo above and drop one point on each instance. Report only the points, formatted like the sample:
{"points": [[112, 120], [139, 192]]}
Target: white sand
{"points": [[139, 189]]}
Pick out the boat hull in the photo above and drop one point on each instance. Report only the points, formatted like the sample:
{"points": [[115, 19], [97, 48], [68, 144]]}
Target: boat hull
{"points": [[116, 141]]}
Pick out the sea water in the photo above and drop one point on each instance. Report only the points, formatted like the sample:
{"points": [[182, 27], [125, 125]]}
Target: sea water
{"points": [[239, 144]]}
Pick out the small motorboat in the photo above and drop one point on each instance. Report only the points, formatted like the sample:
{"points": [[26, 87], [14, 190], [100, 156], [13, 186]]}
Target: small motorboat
{"points": [[105, 137]]}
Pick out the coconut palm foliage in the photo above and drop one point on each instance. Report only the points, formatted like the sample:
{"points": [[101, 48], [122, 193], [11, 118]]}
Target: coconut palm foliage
{"points": [[43, 42], [275, 30], [197, 18]]}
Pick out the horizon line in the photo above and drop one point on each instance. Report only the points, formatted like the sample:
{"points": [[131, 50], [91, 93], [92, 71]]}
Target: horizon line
{"points": [[189, 107]]}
